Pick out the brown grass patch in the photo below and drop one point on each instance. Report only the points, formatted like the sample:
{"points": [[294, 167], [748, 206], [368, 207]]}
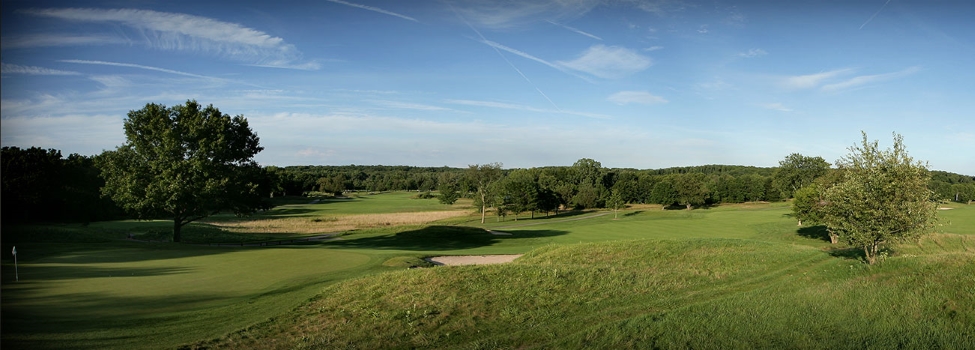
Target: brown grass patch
{"points": [[323, 224]]}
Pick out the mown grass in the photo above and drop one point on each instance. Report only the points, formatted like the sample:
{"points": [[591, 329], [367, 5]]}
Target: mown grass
{"points": [[136, 295], [718, 263]]}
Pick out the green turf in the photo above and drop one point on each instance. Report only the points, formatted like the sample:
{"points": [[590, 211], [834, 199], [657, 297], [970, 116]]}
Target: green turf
{"points": [[83, 287]]}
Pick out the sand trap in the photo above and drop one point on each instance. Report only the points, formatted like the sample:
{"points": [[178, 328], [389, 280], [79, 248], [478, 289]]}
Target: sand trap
{"points": [[472, 259], [943, 208]]}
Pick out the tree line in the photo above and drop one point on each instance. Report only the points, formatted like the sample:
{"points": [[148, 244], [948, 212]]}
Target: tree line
{"points": [[189, 161], [42, 185]]}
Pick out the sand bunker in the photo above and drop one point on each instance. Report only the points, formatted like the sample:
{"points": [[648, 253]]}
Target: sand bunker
{"points": [[472, 259]]}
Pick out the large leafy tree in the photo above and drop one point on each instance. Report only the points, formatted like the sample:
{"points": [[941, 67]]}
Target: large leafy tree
{"points": [[185, 163], [482, 178], [796, 171], [882, 198], [691, 189]]}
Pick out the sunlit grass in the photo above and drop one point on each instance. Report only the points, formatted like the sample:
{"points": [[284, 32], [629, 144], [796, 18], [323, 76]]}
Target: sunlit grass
{"points": [[330, 224], [653, 277]]}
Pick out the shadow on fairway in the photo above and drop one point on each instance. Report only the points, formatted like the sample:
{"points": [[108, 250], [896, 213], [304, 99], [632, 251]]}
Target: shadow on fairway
{"points": [[80, 320], [438, 238], [633, 213], [815, 232], [69, 272]]}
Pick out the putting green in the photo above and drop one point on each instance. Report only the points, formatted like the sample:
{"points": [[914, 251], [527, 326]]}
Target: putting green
{"points": [[133, 296]]}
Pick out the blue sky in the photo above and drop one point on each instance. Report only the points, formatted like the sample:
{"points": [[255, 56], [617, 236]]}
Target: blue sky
{"points": [[630, 83]]}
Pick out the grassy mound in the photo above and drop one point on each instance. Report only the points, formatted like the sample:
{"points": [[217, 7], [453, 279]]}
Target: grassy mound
{"points": [[710, 293]]}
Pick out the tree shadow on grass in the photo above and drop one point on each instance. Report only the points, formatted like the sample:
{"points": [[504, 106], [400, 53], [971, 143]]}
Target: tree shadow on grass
{"points": [[633, 213], [438, 238], [817, 232]]}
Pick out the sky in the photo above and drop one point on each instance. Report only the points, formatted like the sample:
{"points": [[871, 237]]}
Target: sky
{"points": [[629, 83]]}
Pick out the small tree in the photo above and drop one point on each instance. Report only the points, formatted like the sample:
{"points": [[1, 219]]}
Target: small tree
{"points": [[809, 205], [882, 198], [616, 203], [186, 162]]}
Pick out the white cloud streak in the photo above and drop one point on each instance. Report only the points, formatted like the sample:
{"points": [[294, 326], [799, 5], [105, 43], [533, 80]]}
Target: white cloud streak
{"points": [[752, 53], [571, 29], [868, 79], [640, 97], [47, 40], [609, 62], [139, 66], [183, 32], [874, 15], [6, 68], [813, 80], [410, 105], [503, 14], [375, 9], [830, 81], [776, 107], [503, 105], [521, 53]]}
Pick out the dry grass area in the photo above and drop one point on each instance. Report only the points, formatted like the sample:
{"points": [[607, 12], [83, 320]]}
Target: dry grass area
{"points": [[324, 224]]}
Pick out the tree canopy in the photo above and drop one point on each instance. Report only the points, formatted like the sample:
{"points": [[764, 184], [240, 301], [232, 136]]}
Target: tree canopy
{"points": [[185, 163], [796, 171]]}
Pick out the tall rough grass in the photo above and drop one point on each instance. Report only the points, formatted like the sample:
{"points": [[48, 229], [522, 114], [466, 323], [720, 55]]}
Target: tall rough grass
{"points": [[644, 294]]}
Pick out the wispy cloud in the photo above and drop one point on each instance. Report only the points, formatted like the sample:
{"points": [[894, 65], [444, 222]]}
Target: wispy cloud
{"points": [[521, 53], [869, 79], [507, 14], [375, 9], [703, 29], [183, 32], [502, 105], [6, 68], [139, 66], [874, 15], [641, 97], [813, 80], [571, 29], [608, 62], [410, 105], [653, 48], [752, 53], [46, 40], [776, 107]]}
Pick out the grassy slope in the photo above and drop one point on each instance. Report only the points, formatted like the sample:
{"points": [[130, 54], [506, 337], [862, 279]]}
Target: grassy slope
{"points": [[769, 287], [707, 293], [177, 294]]}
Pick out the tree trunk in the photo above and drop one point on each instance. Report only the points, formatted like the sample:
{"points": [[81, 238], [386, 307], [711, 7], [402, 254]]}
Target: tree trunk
{"points": [[833, 238], [177, 227], [615, 214], [800, 222], [483, 207], [688, 206], [871, 252]]}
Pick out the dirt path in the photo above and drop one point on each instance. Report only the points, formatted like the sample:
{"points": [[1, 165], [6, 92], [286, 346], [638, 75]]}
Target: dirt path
{"points": [[472, 259]]}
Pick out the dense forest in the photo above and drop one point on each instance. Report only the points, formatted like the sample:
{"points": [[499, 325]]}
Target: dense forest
{"points": [[42, 185]]}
